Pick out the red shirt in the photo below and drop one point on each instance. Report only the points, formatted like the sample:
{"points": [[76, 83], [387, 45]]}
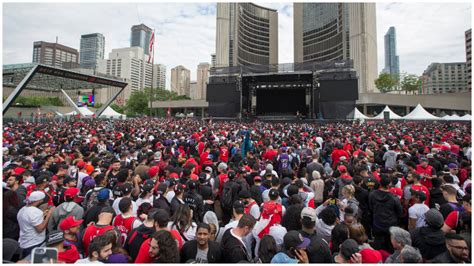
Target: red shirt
{"points": [[144, 255], [337, 154], [91, 232], [71, 255], [222, 179], [224, 154], [270, 155], [125, 226], [201, 146], [427, 171], [397, 192], [452, 219], [425, 190]]}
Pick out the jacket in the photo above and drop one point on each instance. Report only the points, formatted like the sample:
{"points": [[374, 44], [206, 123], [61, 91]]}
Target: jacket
{"points": [[62, 211], [429, 241], [444, 257], [136, 238], [362, 196], [234, 250], [162, 203], [189, 251], [386, 209]]}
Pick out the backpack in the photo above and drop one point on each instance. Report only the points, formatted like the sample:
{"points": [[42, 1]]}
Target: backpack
{"points": [[91, 199], [227, 199], [134, 241]]}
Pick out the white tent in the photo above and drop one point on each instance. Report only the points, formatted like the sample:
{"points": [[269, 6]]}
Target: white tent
{"points": [[392, 115], [419, 113], [356, 114], [446, 117], [455, 117], [83, 110], [111, 113], [466, 117]]}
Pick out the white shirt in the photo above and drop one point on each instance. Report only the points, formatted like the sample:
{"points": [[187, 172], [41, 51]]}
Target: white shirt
{"points": [[87, 261], [190, 234], [255, 211], [140, 201], [29, 217], [417, 211], [115, 205]]}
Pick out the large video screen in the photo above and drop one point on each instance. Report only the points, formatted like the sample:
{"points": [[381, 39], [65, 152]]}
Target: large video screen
{"points": [[86, 100]]}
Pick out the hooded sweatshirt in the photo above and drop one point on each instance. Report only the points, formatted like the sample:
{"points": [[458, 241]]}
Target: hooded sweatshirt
{"points": [[386, 209], [64, 210], [429, 241]]}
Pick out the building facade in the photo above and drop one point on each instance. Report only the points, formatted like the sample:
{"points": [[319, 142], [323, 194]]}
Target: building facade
{"points": [[193, 90], [392, 63], [467, 35], [130, 64], [54, 54], [180, 80], [444, 78], [338, 31], [202, 80], [140, 36], [92, 50], [159, 76], [247, 34], [213, 60]]}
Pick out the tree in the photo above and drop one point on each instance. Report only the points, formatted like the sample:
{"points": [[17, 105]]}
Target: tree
{"points": [[385, 83], [117, 108], [138, 103], [411, 83]]}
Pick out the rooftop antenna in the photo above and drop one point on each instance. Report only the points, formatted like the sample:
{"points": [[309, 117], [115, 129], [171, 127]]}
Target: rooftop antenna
{"points": [[56, 39]]}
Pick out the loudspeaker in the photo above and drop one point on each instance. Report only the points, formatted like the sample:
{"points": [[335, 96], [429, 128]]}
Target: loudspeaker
{"points": [[386, 116]]}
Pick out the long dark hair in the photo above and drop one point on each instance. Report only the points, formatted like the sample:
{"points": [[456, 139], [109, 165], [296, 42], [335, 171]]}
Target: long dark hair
{"points": [[338, 235], [268, 249], [182, 218], [169, 252], [10, 198]]}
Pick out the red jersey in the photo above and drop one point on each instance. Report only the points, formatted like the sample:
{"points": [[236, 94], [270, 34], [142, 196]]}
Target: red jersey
{"points": [[224, 154], [144, 255], [425, 171], [270, 155], [397, 192], [91, 232], [200, 147], [222, 179], [124, 225], [425, 190]]}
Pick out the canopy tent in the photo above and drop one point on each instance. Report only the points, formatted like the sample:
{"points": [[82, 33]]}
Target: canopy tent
{"points": [[392, 115], [84, 112], [58, 114], [356, 114], [446, 117], [454, 117], [419, 113], [466, 117], [111, 113]]}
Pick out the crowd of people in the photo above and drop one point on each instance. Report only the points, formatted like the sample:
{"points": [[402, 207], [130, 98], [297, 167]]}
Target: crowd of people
{"points": [[191, 191]]}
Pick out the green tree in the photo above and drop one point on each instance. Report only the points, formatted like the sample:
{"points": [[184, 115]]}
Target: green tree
{"points": [[117, 108], [138, 103], [411, 83], [385, 83]]}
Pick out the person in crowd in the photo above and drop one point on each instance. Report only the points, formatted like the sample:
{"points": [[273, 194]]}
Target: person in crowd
{"points": [[318, 249], [430, 239], [294, 249], [452, 204], [416, 213], [182, 221], [348, 253], [457, 250], [232, 245], [125, 222], [410, 254], [65, 209], [268, 249], [11, 206], [71, 230], [33, 222], [399, 239], [327, 219], [201, 249], [103, 225], [99, 250]]}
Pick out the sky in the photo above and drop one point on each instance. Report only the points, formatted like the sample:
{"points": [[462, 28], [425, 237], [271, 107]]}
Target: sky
{"points": [[185, 32]]}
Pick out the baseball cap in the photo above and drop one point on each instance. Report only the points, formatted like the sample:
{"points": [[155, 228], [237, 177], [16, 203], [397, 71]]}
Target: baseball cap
{"points": [[370, 256], [452, 166], [273, 193], [80, 164], [68, 179], [179, 188], [41, 179], [238, 204], [343, 158], [208, 169], [429, 155], [117, 191], [103, 194], [71, 192], [193, 184], [36, 196], [127, 188], [309, 212], [30, 180], [257, 178], [342, 168], [148, 186], [69, 223], [434, 218], [162, 188], [424, 159], [55, 237], [293, 239], [153, 171], [244, 194]]}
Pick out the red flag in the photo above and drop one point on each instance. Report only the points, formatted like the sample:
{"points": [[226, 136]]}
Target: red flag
{"points": [[151, 46], [169, 112]]}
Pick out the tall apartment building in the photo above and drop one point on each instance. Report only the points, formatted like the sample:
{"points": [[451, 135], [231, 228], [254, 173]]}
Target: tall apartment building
{"points": [[338, 31], [444, 78], [467, 35], [202, 80], [54, 54], [193, 90], [180, 80], [159, 76], [246, 34], [140, 36], [129, 63], [392, 63], [92, 50]]}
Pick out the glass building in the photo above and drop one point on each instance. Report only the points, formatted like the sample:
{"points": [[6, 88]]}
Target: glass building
{"points": [[92, 50], [391, 58], [141, 35]]}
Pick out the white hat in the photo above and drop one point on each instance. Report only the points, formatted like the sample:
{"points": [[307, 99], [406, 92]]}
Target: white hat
{"points": [[36, 196], [30, 180]]}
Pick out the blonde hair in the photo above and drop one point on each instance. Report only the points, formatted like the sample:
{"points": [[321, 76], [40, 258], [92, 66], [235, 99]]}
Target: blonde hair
{"points": [[349, 189]]}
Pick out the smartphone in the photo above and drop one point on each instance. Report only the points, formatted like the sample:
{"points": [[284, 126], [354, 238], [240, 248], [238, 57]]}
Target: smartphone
{"points": [[44, 255], [332, 201]]}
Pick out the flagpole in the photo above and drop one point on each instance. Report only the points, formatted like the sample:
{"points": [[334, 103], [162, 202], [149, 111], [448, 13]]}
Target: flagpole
{"points": [[152, 72]]}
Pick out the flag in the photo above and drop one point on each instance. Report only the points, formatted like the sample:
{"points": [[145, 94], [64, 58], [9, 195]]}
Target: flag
{"points": [[150, 48], [169, 112]]}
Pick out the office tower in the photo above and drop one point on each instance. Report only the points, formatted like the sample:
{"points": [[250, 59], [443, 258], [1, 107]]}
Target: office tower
{"points": [[91, 50]]}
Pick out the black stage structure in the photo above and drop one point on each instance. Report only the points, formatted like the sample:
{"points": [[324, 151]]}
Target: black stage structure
{"points": [[315, 90]]}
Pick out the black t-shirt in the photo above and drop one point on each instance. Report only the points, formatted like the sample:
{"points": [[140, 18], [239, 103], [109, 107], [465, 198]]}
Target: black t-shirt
{"points": [[318, 250]]}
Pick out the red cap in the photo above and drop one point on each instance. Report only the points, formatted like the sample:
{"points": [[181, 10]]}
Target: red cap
{"points": [[71, 192], [174, 175], [153, 171], [342, 168], [89, 169], [81, 164], [257, 178], [69, 223], [371, 256]]}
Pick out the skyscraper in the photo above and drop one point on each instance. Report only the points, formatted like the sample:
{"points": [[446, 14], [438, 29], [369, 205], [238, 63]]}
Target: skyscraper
{"points": [[338, 31], [92, 50], [180, 80], [54, 54], [467, 35], [159, 76], [213, 60], [141, 35], [202, 80], [247, 34], [391, 58]]}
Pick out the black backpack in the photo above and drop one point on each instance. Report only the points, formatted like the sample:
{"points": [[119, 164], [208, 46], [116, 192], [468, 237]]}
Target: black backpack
{"points": [[227, 199], [134, 241]]}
